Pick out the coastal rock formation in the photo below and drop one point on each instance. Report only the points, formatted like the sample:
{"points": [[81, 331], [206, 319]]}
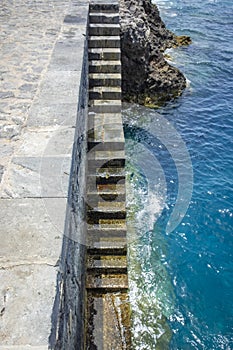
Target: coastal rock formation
{"points": [[147, 78]]}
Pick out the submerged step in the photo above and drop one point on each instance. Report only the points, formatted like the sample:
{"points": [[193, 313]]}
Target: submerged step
{"points": [[107, 282], [106, 210], [107, 244], [104, 29], [110, 54], [107, 263], [112, 224], [99, 232], [107, 249]]}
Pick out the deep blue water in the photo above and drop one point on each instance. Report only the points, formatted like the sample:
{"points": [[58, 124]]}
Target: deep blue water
{"points": [[187, 273]]}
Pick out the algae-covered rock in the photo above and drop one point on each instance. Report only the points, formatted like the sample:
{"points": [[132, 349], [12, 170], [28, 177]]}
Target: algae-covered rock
{"points": [[145, 72]]}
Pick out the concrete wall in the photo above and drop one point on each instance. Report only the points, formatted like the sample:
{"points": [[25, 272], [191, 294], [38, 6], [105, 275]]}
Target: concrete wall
{"points": [[68, 314], [40, 285]]}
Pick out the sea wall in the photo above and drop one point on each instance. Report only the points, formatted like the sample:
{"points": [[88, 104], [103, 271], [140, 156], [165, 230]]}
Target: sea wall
{"points": [[42, 180]]}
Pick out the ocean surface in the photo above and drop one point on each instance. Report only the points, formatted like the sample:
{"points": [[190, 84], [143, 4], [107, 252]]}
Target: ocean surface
{"points": [[180, 191]]}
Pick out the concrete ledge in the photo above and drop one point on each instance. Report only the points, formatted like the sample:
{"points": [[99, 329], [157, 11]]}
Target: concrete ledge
{"points": [[36, 254]]}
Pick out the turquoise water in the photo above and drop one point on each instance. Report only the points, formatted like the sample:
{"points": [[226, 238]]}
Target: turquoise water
{"points": [[182, 280]]}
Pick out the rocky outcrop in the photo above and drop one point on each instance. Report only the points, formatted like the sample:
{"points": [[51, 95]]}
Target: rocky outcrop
{"points": [[147, 78]]}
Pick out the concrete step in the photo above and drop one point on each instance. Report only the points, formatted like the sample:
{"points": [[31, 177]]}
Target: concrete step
{"points": [[104, 79], [109, 244], [96, 120], [108, 172], [107, 263], [99, 232], [104, 66], [105, 159], [110, 247], [104, 41], [94, 197], [107, 132], [109, 317], [105, 93], [107, 282], [114, 146], [109, 54], [105, 156], [104, 8], [100, 17], [106, 178], [98, 163], [108, 225], [104, 29], [105, 106], [109, 190], [106, 210], [106, 190]]}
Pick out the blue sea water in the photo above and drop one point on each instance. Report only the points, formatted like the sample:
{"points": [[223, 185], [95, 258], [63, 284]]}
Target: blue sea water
{"points": [[182, 281]]}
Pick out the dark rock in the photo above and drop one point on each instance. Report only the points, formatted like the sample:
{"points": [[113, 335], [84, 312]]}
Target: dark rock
{"points": [[147, 78]]}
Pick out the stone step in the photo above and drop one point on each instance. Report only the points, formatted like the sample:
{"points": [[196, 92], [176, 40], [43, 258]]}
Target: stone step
{"points": [[109, 317], [98, 163], [100, 17], [94, 197], [106, 210], [107, 282], [104, 41], [104, 79], [114, 224], [105, 159], [104, 8], [106, 133], [105, 106], [107, 178], [111, 191], [99, 232], [110, 247], [104, 29], [114, 146], [105, 93], [109, 54], [100, 66], [107, 172], [107, 263], [102, 118], [108, 190], [111, 244]]}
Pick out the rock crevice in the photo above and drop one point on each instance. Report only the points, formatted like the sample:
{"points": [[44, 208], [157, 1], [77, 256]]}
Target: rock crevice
{"points": [[147, 78]]}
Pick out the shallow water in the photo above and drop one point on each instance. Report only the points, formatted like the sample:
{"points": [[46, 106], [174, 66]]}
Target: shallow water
{"points": [[183, 279]]}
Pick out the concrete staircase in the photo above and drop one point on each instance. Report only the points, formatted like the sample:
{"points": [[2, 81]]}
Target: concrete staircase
{"points": [[107, 280]]}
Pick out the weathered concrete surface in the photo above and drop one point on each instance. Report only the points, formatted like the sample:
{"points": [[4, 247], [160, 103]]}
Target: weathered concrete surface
{"points": [[41, 48]]}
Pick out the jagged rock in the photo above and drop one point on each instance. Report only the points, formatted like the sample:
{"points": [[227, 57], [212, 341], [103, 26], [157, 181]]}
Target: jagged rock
{"points": [[147, 78]]}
